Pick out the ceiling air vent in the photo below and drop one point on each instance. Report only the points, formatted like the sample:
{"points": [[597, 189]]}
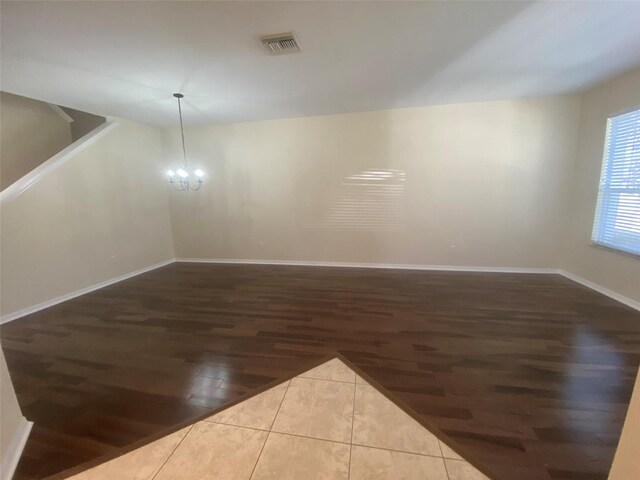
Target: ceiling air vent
{"points": [[280, 43]]}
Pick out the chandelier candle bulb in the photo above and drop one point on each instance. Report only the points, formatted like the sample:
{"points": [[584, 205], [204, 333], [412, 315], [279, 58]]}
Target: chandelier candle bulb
{"points": [[183, 172]]}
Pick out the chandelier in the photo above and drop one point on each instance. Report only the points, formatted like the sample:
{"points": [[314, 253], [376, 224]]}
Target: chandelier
{"points": [[182, 178]]}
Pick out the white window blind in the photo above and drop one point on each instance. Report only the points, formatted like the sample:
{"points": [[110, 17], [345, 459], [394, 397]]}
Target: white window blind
{"points": [[617, 221]]}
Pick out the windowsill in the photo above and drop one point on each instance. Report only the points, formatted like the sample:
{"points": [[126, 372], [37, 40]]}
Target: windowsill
{"points": [[614, 250]]}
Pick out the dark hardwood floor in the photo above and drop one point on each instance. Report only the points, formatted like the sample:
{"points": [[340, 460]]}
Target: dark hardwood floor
{"points": [[529, 375]]}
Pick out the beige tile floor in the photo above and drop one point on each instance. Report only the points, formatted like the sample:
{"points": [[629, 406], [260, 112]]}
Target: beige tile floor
{"points": [[326, 424]]}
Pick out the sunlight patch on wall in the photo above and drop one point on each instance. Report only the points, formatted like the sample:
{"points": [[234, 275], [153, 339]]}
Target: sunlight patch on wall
{"points": [[370, 200]]}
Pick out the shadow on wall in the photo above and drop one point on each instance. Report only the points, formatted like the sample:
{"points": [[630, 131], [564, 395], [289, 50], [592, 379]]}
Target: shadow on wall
{"points": [[31, 132]]}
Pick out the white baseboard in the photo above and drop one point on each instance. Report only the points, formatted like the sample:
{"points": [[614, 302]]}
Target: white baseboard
{"points": [[14, 451], [450, 268], [397, 266], [394, 266], [599, 288], [68, 296]]}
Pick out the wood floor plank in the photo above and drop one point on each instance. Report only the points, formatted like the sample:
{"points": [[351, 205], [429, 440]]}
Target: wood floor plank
{"points": [[530, 375]]}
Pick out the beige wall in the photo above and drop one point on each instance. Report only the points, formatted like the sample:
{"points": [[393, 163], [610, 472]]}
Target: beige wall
{"points": [[83, 122], [102, 214], [483, 186], [31, 133], [616, 271], [11, 419], [626, 465]]}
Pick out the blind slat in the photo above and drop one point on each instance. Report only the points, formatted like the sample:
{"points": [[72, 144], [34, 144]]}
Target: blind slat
{"points": [[617, 219]]}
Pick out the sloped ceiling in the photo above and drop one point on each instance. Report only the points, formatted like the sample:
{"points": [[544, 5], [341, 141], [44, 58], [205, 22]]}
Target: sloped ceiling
{"points": [[127, 58]]}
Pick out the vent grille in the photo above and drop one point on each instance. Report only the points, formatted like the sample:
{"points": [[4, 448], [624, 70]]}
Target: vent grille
{"points": [[280, 43]]}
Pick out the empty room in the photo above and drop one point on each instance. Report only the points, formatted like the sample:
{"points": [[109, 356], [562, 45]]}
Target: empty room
{"points": [[320, 240]]}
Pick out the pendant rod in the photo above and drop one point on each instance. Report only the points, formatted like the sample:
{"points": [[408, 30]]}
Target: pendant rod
{"points": [[184, 149]]}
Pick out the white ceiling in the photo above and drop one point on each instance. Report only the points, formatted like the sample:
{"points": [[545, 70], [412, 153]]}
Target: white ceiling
{"points": [[127, 58]]}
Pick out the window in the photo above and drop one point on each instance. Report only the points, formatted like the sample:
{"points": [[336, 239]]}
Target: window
{"points": [[617, 222]]}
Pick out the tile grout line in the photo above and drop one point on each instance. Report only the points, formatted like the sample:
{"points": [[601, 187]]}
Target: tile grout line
{"points": [[331, 440], [351, 444], [353, 416], [217, 422], [172, 452], [311, 438], [439, 444], [325, 379], [292, 434], [398, 451], [270, 427], [272, 424], [446, 470], [337, 441]]}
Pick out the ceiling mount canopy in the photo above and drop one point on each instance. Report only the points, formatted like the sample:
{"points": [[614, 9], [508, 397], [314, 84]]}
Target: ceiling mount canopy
{"points": [[182, 177]]}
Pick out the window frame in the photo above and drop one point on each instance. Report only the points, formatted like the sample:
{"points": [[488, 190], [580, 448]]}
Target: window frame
{"points": [[598, 217]]}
